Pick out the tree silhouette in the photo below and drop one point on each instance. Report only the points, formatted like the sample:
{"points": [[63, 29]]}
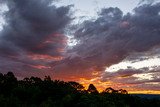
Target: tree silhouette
{"points": [[10, 77], [1, 77], [109, 90], [9, 82], [121, 91], [47, 78], [92, 89], [77, 86], [35, 92]]}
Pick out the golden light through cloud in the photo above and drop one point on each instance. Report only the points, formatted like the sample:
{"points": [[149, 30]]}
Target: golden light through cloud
{"points": [[101, 86]]}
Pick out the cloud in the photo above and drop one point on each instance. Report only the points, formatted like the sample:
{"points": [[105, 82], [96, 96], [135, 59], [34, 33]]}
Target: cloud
{"points": [[33, 41], [148, 2], [113, 36], [34, 27], [33, 35], [123, 73], [132, 79]]}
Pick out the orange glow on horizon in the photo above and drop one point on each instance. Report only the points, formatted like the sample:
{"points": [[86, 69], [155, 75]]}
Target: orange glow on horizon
{"points": [[101, 86], [144, 92]]}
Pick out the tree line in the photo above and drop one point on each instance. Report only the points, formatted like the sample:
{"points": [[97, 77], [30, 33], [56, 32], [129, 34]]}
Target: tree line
{"points": [[35, 92]]}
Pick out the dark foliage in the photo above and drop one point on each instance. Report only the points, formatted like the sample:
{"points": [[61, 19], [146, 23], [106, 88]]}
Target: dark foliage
{"points": [[35, 92]]}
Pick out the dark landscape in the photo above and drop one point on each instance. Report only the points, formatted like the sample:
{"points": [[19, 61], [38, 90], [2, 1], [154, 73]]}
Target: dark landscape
{"points": [[35, 92]]}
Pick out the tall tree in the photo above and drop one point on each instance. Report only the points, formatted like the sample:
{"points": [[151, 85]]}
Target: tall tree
{"points": [[92, 89]]}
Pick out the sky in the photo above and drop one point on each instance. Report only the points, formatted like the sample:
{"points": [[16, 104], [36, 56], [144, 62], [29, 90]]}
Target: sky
{"points": [[110, 43], [89, 8]]}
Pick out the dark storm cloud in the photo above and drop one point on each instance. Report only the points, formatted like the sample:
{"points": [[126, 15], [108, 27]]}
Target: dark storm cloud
{"points": [[32, 36], [148, 1], [123, 73], [113, 36], [34, 27]]}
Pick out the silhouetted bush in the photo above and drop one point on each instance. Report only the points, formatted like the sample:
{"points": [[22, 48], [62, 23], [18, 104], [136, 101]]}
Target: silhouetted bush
{"points": [[35, 92]]}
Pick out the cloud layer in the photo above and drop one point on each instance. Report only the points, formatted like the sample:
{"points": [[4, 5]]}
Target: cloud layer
{"points": [[114, 37], [34, 30], [33, 41]]}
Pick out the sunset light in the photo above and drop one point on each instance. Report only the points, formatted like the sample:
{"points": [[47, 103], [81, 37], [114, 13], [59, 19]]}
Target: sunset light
{"points": [[83, 53]]}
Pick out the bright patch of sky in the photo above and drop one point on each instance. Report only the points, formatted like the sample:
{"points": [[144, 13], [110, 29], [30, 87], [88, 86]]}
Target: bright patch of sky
{"points": [[3, 8], [144, 76], [71, 41], [151, 64], [89, 8]]}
